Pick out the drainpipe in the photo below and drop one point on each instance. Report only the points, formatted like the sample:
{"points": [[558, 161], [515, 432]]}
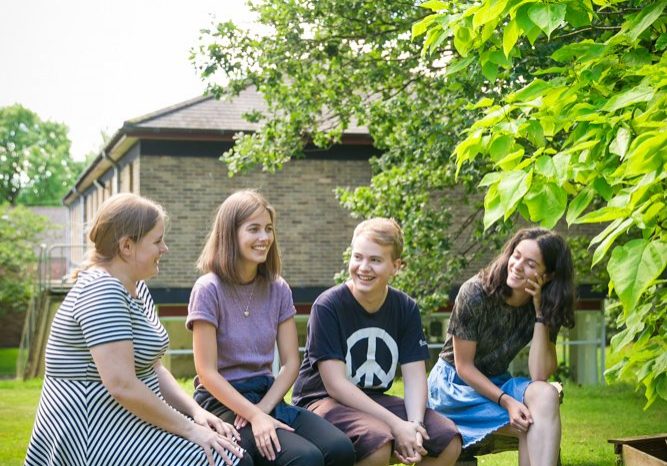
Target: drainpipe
{"points": [[116, 171]]}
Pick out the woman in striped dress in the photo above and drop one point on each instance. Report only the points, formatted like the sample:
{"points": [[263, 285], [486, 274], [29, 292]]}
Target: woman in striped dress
{"points": [[107, 399]]}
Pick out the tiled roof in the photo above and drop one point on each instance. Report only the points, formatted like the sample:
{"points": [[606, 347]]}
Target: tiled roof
{"points": [[208, 113]]}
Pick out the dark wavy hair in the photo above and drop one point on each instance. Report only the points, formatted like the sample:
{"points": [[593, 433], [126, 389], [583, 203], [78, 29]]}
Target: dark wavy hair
{"points": [[558, 294]]}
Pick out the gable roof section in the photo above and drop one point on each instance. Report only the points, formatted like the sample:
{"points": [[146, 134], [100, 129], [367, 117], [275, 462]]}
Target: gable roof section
{"points": [[205, 113], [202, 118]]}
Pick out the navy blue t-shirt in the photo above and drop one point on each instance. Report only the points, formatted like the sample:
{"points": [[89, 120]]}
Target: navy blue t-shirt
{"points": [[372, 345]]}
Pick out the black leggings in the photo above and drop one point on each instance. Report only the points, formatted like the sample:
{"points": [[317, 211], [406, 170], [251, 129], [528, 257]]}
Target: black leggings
{"points": [[314, 442]]}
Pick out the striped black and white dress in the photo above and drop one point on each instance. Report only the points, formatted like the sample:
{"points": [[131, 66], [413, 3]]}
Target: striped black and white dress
{"points": [[78, 423]]}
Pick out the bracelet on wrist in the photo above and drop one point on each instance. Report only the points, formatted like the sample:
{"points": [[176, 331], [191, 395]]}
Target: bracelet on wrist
{"points": [[540, 320], [500, 397]]}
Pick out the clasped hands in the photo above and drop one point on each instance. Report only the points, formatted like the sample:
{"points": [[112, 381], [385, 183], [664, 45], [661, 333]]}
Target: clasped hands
{"points": [[408, 440]]}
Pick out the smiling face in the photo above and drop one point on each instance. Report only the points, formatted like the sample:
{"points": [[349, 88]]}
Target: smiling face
{"points": [[371, 267], [524, 264], [255, 237], [147, 252]]}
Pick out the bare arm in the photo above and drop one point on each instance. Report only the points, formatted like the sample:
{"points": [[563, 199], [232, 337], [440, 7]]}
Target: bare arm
{"points": [[176, 397], [542, 355], [415, 395], [205, 348], [115, 364], [288, 349], [345, 392], [464, 360]]}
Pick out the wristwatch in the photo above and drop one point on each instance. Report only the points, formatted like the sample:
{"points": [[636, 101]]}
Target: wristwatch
{"points": [[540, 320]]}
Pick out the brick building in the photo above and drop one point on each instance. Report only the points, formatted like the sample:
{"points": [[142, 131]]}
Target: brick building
{"points": [[172, 156]]}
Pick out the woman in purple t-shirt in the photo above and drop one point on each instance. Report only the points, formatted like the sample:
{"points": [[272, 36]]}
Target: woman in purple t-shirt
{"points": [[239, 310]]}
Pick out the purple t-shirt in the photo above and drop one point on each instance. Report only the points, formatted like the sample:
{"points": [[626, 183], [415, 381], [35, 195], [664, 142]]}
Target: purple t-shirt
{"points": [[245, 344]]}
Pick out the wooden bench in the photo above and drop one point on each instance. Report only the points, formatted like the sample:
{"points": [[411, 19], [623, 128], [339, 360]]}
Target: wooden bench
{"points": [[496, 443], [645, 450]]}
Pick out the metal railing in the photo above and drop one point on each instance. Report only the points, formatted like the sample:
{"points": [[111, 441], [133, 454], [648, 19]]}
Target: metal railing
{"points": [[35, 325]]}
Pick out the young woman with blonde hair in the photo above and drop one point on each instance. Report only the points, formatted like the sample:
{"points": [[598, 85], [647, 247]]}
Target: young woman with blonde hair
{"points": [[107, 399]]}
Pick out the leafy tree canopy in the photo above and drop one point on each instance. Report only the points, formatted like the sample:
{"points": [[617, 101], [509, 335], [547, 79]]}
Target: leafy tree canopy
{"points": [[35, 163], [323, 66], [584, 138], [19, 230]]}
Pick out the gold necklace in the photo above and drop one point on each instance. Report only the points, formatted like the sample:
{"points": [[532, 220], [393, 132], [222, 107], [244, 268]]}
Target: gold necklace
{"points": [[246, 312]]}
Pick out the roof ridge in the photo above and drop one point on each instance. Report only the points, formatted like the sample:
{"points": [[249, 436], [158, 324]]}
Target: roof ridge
{"points": [[167, 110]]}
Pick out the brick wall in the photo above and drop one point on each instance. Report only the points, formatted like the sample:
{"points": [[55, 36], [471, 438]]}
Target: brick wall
{"points": [[313, 230]]}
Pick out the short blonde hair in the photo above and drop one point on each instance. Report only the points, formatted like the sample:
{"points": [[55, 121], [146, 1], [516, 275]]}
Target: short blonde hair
{"points": [[221, 254], [383, 231], [122, 215]]}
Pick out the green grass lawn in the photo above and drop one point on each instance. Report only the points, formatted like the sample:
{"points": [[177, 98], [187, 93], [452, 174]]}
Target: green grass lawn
{"points": [[591, 415], [8, 362]]}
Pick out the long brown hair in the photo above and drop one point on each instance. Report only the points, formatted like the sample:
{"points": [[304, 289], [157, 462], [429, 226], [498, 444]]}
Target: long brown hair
{"points": [[122, 215], [221, 254], [558, 293]]}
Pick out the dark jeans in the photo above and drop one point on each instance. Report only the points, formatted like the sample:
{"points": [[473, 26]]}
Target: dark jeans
{"points": [[314, 442]]}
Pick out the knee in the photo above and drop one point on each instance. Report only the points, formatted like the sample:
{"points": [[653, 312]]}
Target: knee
{"points": [[542, 396], [339, 452], [453, 450], [307, 456]]}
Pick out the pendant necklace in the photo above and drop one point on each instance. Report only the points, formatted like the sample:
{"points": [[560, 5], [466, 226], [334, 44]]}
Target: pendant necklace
{"points": [[246, 311]]}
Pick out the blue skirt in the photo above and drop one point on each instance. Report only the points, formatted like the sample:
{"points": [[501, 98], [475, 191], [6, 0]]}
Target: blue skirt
{"points": [[475, 415]]}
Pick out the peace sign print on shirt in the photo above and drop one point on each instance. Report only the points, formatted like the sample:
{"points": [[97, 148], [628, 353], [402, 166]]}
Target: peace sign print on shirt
{"points": [[371, 359]]}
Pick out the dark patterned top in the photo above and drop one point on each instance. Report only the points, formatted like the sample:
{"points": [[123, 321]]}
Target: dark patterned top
{"points": [[500, 330]]}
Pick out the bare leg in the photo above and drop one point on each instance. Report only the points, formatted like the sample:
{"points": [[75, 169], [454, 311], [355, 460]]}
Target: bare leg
{"points": [[447, 457], [523, 443], [379, 457], [543, 438]]}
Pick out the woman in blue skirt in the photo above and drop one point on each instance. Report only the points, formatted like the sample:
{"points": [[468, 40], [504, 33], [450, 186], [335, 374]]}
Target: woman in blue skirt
{"points": [[525, 295]]}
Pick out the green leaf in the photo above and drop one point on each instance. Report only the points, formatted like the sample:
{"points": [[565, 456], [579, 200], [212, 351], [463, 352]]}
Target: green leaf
{"points": [[511, 189], [640, 93], [639, 23], [602, 188], [488, 12], [463, 40], [511, 160], [577, 15], [620, 227], [646, 156], [458, 65], [533, 90], [547, 16], [661, 42], [579, 204], [435, 5], [605, 214], [619, 145], [482, 103], [634, 266], [489, 179], [490, 71], [633, 325], [562, 164], [510, 36], [582, 51], [546, 204], [500, 147], [420, 27], [544, 165], [493, 210], [535, 134]]}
